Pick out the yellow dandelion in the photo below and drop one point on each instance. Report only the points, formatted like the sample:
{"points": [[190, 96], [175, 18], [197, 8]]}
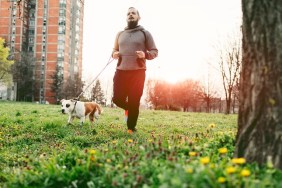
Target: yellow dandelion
{"points": [[245, 173], [150, 140], [205, 160], [212, 166], [109, 160], [92, 158], [220, 133], [130, 140], [118, 166], [192, 153], [238, 160], [230, 170], [212, 125], [221, 180], [189, 170], [100, 164], [92, 151], [79, 161], [222, 150], [114, 141]]}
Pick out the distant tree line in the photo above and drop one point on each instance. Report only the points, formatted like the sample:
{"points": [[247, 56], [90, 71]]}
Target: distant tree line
{"points": [[72, 87], [188, 95]]}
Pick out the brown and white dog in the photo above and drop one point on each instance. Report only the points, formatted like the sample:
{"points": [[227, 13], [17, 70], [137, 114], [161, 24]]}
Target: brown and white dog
{"points": [[78, 109]]}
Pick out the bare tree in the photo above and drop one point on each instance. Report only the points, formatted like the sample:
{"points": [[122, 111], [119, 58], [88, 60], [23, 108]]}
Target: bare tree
{"points": [[23, 75], [165, 96], [158, 94], [235, 93], [230, 65], [208, 93], [187, 94], [73, 87], [259, 137]]}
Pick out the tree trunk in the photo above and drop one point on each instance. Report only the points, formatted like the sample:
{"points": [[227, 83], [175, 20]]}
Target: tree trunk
{"points": [[259, 137]]}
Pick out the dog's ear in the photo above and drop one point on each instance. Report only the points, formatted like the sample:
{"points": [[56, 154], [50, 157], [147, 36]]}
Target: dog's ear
{"points": [[62, 100]]}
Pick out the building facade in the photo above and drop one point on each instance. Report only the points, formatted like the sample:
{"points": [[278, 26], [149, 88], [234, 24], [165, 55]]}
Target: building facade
{"points": [[51, 33]]}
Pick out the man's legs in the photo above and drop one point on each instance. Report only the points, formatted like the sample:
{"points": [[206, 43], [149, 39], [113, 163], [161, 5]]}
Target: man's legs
{"points": [[137, 79], [120, 89], [128, 89]]}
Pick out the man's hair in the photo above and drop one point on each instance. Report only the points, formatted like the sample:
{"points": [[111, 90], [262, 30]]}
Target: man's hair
{"points": [[135, 9]]}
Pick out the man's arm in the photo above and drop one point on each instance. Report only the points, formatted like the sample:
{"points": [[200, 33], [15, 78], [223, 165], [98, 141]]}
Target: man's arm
{"points": [[115, 53], [152, 51]]}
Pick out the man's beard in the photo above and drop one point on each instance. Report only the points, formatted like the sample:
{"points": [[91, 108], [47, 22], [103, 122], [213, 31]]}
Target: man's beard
{"points": [[132, 24]]}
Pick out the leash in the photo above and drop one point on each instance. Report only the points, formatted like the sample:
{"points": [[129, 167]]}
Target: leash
{"points": [[109, 61], [74, 106]]}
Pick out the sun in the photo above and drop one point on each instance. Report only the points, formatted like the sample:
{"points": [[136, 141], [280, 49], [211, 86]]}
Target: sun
{"points": [[172, 79], [166, 75]]}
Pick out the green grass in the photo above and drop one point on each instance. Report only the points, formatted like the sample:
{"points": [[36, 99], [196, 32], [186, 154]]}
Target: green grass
{"points": [[170, 149]]}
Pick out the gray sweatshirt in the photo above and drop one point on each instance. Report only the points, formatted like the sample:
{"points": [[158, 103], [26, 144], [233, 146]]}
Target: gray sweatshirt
{"points": [[131, 40]]}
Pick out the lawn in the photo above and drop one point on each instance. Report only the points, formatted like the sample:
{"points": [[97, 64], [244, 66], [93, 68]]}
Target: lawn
{"points": [[170, 149]]}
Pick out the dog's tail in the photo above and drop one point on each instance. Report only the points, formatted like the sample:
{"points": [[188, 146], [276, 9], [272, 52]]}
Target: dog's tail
{"points": [[98, 111]]}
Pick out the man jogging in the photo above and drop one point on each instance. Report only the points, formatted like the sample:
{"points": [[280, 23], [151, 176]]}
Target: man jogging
{"points": [[132, 47]]}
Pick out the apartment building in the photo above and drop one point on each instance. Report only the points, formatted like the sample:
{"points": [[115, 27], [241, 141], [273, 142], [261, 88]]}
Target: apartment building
{"points": [[51, 33]]}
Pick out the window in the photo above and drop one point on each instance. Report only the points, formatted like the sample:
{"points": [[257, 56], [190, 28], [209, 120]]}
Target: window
{"points": [[63, 5], [31, 22], [61, 47], [31, 40], [61, 38], [60, 64], [62, 12], [31, 32], [61, 30]]}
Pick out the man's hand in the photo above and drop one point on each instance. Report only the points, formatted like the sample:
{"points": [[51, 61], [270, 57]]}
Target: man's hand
{"points": [[116, 55], [140, 54]]}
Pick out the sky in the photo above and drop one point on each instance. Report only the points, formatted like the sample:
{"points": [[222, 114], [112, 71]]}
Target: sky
{"points": [[185, 33]]}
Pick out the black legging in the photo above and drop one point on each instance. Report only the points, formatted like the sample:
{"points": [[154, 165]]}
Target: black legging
{"points": [[128, 89]]}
